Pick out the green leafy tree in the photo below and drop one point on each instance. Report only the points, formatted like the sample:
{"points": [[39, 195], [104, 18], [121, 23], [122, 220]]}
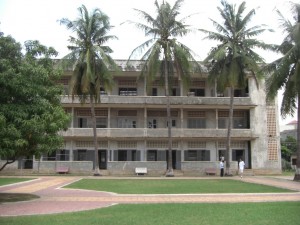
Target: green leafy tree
{"points": [[285, 71], [30, 111], [234, 59], [288, 147], [91, 60], [164, 54]]}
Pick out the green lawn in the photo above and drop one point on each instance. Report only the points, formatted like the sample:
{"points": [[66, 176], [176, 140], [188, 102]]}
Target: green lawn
{"points": [[276, 213], [12, 180], [172, 186]]}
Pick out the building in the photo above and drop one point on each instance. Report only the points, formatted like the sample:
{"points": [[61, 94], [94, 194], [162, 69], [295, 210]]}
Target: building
{"points": [[132, 128], [290, 130]]}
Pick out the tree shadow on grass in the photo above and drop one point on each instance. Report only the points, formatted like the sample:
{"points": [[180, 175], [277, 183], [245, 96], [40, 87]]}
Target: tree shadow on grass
{"points": [[16, 197]]}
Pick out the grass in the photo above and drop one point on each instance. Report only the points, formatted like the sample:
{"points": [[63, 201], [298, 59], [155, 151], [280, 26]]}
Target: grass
{"points": [[184, 186], [12, 180], [268, 213]]}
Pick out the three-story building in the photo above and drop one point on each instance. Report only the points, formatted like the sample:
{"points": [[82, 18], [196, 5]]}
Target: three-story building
{"points": [[132, 127]]}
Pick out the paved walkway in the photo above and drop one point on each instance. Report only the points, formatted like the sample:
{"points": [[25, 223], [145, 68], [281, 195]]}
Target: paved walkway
{"points": [[54, 199]]}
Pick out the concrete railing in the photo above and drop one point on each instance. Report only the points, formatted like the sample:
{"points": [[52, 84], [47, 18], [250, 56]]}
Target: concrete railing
{"points": [[156, 133], [162, 100]]}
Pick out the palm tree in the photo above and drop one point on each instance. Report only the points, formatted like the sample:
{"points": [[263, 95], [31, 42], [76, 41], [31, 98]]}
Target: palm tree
{"points": [[285, 72], [91, 60], [164, 54], [231, 61]]}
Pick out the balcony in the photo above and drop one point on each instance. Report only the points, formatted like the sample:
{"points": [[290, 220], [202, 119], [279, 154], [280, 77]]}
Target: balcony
{"points": [[158, 133], [183, 101]]}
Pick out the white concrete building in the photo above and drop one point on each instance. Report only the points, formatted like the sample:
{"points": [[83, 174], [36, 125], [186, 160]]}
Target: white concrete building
{"points": [[132, 128]]}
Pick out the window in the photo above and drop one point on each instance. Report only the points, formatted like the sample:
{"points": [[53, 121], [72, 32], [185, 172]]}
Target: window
{"points": [[81, 155], [134, 155], [174, 92], [191, 155], [63, 155], [152, 123], [198, 92], [82, 123], [122, 155], [239, 123], [154, 91], [152, 155], [237, 93], [126, 123], [127, 155], [127, 91], [173, 123], [196, 123], [197, 155], [101, 122], [222, 123]]}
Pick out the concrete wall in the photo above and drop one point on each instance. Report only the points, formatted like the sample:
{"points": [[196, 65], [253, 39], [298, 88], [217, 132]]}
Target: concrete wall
{"points": [[49, 167], [128, 168], [198, 168]]}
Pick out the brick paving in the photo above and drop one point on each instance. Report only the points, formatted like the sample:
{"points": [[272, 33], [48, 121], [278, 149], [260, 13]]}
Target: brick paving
{"points": [[54, 199]]}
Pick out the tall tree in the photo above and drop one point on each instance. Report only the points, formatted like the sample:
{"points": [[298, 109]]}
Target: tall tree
{"points": [[231, 61], [288, 147], [165, 54], [285, 72], [91, 60], [30, 111]]}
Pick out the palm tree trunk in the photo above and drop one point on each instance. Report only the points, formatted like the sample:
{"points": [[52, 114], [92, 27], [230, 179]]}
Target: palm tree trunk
{"points": [[96, 169], [297, 173], [170, 172], [227, 157]]}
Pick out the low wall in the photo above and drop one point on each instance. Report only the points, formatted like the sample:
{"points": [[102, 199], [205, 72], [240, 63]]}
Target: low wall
{"points": [[196, 168], [49, 167], [157, 168], [188, 168], [12, 166]]}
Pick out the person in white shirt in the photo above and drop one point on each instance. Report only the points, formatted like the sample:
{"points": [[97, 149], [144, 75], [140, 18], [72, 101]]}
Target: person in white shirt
{"points": [[221, 168], [222, 158], [241, 167]]}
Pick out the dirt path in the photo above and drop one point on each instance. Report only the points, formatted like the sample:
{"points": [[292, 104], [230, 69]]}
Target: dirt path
{"points": [[54, 199]]}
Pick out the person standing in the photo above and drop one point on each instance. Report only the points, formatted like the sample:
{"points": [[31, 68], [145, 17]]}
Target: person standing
{"points": [[222, 158], [241, 167], [221, 168]]}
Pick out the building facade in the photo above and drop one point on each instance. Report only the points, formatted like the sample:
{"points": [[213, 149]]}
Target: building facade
{"points": [[132, 128]]}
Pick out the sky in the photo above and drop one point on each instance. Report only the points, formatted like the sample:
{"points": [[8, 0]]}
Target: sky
{"points": [[39, 20]]}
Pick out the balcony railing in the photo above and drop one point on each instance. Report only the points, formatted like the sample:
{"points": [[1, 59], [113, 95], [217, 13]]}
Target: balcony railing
{"points": [[158, 133], [162, 100]]}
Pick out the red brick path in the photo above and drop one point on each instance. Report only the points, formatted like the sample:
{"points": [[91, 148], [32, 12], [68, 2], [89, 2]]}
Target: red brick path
{"points": [[54, 199]]}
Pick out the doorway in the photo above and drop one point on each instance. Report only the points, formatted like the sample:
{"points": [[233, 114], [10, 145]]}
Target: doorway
{"points": [[238, 154], [174, 159], [102, 154]]}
